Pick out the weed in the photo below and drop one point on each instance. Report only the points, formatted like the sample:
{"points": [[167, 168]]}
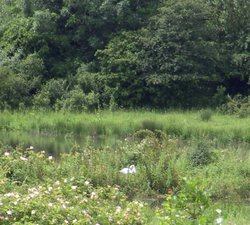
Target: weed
{"points": [[206, 114], [151, 125], [202, 155]]}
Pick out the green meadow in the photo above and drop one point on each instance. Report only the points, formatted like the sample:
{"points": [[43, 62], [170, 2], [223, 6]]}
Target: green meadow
{"points": [[192, 167]]}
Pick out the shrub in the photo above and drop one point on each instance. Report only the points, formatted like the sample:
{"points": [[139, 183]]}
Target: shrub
{"points": [[35, 189], [206, 115], [237, 105], [52, 92], [191, 205], [142, 134], [77, 100], [156, 158], [151, 125], [69, 201], [201, 156]]}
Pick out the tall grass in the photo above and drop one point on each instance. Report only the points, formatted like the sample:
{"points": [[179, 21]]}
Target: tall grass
{"points": [[122, 123]]}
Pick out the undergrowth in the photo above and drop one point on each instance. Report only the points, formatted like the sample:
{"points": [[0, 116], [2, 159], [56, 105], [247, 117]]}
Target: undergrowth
{"points": [[37, 187]]}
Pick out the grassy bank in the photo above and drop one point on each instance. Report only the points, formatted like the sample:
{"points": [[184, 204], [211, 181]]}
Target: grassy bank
{"points": [[184, 124]]}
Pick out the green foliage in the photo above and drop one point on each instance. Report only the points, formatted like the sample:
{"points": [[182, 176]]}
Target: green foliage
{"points": [[21, 78], [58, 199], [161, 162], [174, 57], [120, 62], [237, 105], [188, 206], [138, 53], [151, 125], [50, 94], [219, 97], [206, 114], [202, 155], [77, 100], [13, 89]]}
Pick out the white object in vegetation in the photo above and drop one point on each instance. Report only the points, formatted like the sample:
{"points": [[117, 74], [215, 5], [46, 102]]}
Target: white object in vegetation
{"points": [[131, 169]]}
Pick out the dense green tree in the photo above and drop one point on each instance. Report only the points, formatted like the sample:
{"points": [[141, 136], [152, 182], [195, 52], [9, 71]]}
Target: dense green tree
{"points": [[170, 60], [125, 52], [121, 61], [235, 17]]}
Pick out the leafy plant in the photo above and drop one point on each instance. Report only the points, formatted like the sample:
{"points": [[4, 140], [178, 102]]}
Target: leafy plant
{"points": [[206, 114], [190, 205], [202, 155], [237, 105]]}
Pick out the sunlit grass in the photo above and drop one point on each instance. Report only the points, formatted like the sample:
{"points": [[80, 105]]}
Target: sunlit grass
{"points": [[122, 123]]}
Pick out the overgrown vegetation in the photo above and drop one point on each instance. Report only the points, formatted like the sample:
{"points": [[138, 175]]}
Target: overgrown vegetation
{"points": [[73, 68], [85, 186]]}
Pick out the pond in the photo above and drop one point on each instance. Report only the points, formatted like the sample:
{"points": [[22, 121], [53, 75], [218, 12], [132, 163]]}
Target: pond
{"points": [[52, 144]]}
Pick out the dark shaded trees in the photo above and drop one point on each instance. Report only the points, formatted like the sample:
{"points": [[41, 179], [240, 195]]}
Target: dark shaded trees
{"points": [[132, 53]]}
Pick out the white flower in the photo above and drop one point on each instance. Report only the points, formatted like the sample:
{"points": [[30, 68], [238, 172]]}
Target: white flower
{"points": [[218, 211], [66, 221], [93, 195], [9, 212], [6, 154], [57, 183], [33, 212], [50, 204], [86, 182], [219, 220], [31, 147], [75, 220], [10, 195], [118, 209], [50, 157], [23, 158], [73, 187], [50, 188]]}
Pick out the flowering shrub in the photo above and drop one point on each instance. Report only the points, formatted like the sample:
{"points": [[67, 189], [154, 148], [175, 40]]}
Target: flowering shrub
{"points": [[58, 200]]}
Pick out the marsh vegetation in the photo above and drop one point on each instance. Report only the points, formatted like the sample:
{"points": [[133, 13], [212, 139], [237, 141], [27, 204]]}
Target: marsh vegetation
{"points": [[176, 155]]}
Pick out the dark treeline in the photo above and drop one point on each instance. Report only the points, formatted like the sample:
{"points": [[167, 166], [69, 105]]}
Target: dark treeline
{"points": [[85, 54]]}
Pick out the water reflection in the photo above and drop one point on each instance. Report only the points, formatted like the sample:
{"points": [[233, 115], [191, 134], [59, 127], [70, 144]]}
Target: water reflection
{"points": [[52, 144]]}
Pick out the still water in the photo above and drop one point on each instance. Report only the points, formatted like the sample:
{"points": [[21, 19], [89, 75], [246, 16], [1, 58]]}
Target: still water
{"points": [[52, 144]]}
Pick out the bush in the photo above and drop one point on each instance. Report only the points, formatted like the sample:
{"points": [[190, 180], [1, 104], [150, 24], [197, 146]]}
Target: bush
{"points": [[52, 92], [34, 190], [151, 125], [201, 156], [77, 100], [156, 158], [206, 115], [191, 205], [237, 105]]}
